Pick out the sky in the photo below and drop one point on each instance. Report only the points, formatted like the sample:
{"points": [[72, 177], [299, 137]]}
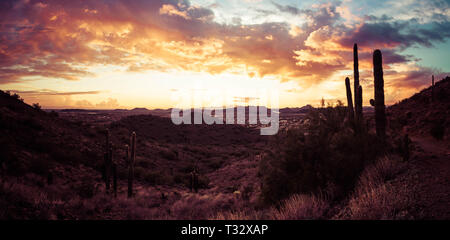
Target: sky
{"points": [[107, 54]]}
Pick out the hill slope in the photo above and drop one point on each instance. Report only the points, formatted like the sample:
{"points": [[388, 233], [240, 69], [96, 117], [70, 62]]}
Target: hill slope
{"points": [[423, 113]]}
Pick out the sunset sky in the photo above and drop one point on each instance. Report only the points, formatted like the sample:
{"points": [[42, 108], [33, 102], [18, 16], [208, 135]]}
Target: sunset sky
{"points": [[141, 53]]}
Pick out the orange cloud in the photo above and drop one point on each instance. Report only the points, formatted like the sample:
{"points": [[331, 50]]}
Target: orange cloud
{"points": [[66, 40]]}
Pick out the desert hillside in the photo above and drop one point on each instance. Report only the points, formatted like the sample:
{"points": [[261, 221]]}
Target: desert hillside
{"points": [[53, 168]]}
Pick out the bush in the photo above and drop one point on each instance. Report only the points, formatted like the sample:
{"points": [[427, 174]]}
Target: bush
{"points": [[15, 95], [37, 106], [376, 198], [324, 151]]}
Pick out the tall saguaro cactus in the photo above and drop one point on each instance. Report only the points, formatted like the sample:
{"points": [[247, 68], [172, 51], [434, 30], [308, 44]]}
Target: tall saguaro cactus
{"points": [[349, 99], [360, 92], [131, 160], [358, 96], [380, 115]]}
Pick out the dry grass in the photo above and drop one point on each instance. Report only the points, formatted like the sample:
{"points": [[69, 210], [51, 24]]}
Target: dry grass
{"points": [[300, 206], [241, 215], [377, 196], [48, 202], [296, 207]]}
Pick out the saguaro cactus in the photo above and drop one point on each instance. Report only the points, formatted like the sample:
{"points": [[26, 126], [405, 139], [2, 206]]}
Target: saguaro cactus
{"points": [[131, 161], [360, 120], [358, 96], [349, 100], [380, 115]]}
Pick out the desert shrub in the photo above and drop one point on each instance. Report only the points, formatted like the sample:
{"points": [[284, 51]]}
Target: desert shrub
{"points": [[323, 151], [15, 96], [37, 106]]}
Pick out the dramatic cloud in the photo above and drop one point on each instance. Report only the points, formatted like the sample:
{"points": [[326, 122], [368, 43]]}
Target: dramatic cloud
{"points": [[69, 39], [288, 9], [52, 92], [397, 34]]}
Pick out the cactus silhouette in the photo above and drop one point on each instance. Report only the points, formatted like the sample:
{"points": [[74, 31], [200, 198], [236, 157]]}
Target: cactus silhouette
{"points": [[358, 95], [131, 157], [380, 115], [349, 99], [360, 92]]}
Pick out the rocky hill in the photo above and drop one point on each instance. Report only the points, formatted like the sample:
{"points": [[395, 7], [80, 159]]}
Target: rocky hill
{"points": [[425, 113]]}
